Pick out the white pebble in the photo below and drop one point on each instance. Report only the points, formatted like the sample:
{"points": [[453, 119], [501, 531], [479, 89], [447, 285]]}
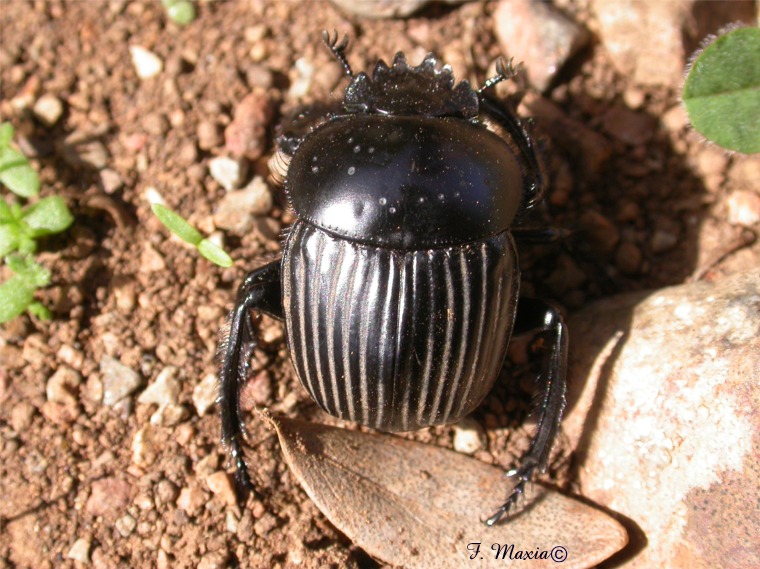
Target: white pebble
{"points": [[118, 380], [204, 394], [468, 436], [227, 171], [147, 64]]}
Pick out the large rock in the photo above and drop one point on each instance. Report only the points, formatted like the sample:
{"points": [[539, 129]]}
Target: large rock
{"points": [[663, 409]]}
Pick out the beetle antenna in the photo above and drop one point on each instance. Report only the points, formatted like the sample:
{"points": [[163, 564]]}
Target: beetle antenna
{"points": [[504, 70], [337, 49]]}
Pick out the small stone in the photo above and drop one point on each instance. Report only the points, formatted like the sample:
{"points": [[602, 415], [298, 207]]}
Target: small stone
{"points": [[109, 497], [257, 392], [375, 9], [147, 64], [48, 109], [144, 452], [62, 386], [80, 551], [110, 181], [155, 124], [214, 560], [80, 150], [663, 240], [245, 136], [237, 209], [631, 127], [227, 171], [645, 39], [22, 414], [119, 381], [125, 525], [468, 436], [204, 394], [220, 485], [167, 492], [600, 232], [743, 208], [192, 498], [151, 261], [164, 391], [628, 258], [265, 524], [539, 36], [209, 135]]}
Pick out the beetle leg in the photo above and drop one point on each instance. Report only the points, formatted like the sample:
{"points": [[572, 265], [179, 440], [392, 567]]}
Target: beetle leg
{"points": [[552, 338], [261, 290], [534, 167]]}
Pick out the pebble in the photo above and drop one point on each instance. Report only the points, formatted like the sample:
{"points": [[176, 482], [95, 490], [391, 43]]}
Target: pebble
{"points": [[601, 233], [22, 414], [167, 492], [214, 560], [48, 109], [62, 386], [119, 381], [375, 9], [468, 436], [192, 498], [302, 75], [151, 261], [245, 136], [743, 208], [675, 424], [110, 181], [80, 551], [237, 209], [144, 452], [229, 172], [631, 127], [221, 486], [125, 525], [645, 40], [147, 64], [109, 497], [81, 150], [209, 135], [204, 394], [539, 36], [628, 258], [662, 240], [164, 391]]}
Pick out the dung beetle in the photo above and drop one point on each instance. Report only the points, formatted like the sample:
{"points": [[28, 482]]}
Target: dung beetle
{"points": [[399, 280]]}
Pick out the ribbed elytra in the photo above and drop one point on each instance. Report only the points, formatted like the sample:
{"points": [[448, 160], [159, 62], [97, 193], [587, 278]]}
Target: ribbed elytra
{"points": [[397, 340]]}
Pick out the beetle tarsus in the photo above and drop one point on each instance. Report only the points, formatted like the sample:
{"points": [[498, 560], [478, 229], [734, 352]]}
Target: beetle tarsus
{"points": [[259, 291], [533, 314], [338, 49]]}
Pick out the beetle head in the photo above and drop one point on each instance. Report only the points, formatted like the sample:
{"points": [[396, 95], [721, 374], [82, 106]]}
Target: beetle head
{"points": [[401, 89]]}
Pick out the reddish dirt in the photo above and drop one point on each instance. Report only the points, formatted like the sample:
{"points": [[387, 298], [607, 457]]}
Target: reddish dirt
{"points": [[646, 214]]}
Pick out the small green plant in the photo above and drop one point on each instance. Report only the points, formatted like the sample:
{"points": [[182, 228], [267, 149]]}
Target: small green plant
{"points": [[20, 227], [180, 12], [722, 90], [182, 229]]}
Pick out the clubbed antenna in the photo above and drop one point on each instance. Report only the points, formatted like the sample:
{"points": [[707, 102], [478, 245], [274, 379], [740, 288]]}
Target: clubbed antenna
{"points": [[504, 70], [337, 49]]}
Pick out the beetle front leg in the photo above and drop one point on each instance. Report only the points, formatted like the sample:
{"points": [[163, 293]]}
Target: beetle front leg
{"points": [[535, 314], [262, 291]]}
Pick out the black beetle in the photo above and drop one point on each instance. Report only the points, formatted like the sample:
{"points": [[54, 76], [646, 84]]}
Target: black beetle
{"points": [[398, 282]]}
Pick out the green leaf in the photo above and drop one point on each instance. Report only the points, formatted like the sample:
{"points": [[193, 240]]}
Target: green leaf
{"points": [[39, 310], [214, 253], [9, 238], [722, 91], [5, 212], [177, 224], [17, 174], [34, 273], [16, 294], [47, 216], [6, 134]]}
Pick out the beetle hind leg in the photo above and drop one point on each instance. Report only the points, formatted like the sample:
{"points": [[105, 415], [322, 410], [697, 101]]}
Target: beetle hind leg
{"points": [[261, 291], [552, 339]]}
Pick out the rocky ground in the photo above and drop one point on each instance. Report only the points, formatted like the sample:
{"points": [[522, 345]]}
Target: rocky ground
{"points": [[108, 432]]}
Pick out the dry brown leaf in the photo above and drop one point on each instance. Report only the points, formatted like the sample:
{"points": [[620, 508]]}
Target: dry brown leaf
{"points": [[419, 506]]}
